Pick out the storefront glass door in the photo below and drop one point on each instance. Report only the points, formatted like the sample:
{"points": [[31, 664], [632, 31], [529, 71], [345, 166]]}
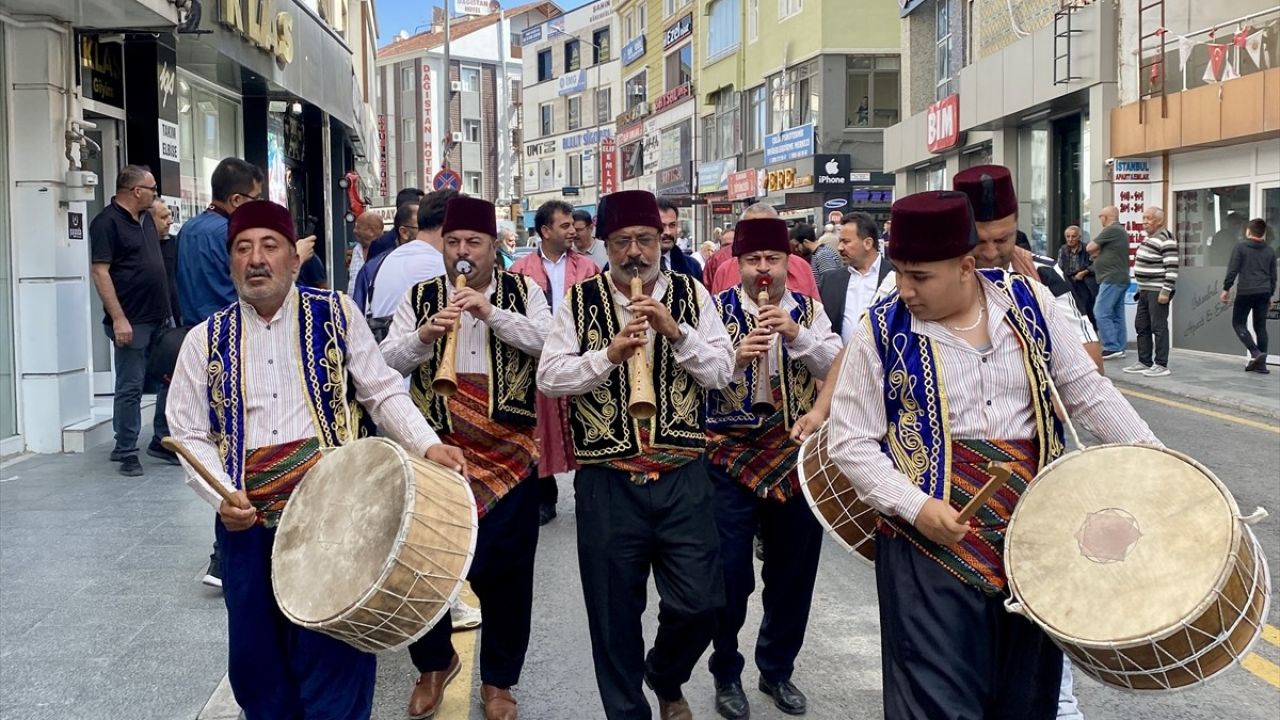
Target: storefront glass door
{"points": [[8, 371], [106, 162]]}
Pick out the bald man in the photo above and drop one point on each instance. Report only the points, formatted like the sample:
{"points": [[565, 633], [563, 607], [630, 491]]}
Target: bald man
{"points": [[368, 228], [1110, 251]]}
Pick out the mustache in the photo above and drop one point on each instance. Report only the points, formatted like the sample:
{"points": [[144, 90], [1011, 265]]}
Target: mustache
{"points": [[636, 264], [256, 272]]}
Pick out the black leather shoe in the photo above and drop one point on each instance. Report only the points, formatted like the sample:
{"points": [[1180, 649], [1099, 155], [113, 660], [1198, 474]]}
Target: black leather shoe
{"points": [[546, 513], [731, 702], [786, 697]]}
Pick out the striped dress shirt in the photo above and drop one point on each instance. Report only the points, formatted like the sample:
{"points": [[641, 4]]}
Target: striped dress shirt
{"points": [[276, 409], [988, 397]]}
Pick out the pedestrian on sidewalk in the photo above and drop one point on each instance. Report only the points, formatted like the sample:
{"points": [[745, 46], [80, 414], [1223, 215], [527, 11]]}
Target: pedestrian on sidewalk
{"points": [[1155, 267], [587, 243], [1077, 266], [204, 276], [129, 273], [1253, 263], [1110, 251]]}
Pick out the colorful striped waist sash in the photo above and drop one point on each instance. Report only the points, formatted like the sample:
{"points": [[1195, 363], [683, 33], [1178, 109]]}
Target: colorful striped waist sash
{"points": [[978, 559], [762, 458], [499, 455], [273, 471]]}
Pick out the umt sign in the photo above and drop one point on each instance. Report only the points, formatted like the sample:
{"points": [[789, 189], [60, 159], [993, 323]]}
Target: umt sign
{"points": [[943, 121]]}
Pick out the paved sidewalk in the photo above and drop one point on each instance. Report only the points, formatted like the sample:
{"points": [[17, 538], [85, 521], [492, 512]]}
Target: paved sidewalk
{"points": [[102, 615], [1218, 380]]}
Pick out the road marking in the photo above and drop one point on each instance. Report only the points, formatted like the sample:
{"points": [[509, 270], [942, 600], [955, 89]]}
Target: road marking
{"points": [[10, 479], [1203, 411], [457, 701], [1263, 668], [1271, 634]]}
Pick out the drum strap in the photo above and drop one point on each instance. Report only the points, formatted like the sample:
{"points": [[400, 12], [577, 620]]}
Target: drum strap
{"points": [[978, 559], [272, 472]]}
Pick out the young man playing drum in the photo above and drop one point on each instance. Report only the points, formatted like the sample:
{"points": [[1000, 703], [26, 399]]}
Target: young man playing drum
{"points": [[255, 396], [643, 499], [952, 374], [782, 347], [487, 368]]}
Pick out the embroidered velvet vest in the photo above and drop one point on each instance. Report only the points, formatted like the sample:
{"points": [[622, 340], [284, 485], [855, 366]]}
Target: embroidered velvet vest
{"points": [[731, 407], [322, 335], [602, 429], [918, 438], [512, 372]]}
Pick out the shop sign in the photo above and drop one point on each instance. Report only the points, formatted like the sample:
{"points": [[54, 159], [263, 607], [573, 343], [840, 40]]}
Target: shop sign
{"points": [[573, 83], [75, 226], [600, 10], [831, 172], [652, 143], [721, 208], [555, 26], [835, 203], [674, 180], [784, 179], [259, 23], [530, 177], [473, 7], [569, 191], [672, 96], [860, 177], [427, 130], [632, 160], [608, 166], [681, 30], [713, 175], [632, 51], [546, 147], [788, 145], [742, 185], [943, 124], [590, 137], [169, 141], [631, 133], [102, 71], [165, 81], [531, 35], [635, 114], [382, 155], [674, 146], [1132, 171]]}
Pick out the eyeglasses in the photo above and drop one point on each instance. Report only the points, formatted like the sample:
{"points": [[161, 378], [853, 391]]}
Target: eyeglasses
{"points": [[409, 227], [644, 241], [251, 197], [152, 188]]}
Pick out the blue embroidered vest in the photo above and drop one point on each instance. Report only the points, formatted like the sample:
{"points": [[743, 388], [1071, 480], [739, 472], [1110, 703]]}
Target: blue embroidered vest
{"points": [[731, 407], [918, 438], [322, 357]]}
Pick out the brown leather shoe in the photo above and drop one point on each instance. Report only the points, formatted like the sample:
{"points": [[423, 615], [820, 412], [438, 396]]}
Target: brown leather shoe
{"points": [[678, 710], [429, 691], [499, 703]]}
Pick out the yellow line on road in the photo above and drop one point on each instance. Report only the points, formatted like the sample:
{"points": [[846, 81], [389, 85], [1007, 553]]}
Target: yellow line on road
{"points": [[1263, 668], [1273, 427], [458, 700], [1271, 634]]}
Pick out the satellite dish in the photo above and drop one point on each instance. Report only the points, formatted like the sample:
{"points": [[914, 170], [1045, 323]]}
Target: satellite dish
{"points": [[403, 35]]}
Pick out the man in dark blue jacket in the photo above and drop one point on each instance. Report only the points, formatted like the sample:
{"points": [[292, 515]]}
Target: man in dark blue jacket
{"points": [[675, 258], [389, 240], [204, 267]]}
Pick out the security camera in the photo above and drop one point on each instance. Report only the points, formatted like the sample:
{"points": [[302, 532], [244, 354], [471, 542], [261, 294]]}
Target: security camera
{"points": [[1111, 162]]}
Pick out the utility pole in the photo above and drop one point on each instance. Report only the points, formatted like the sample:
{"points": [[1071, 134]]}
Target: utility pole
{"points": [[446, 137]]}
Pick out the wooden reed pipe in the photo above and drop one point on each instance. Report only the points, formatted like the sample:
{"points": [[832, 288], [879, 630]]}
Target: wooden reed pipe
{"points": [[445, 382], [643, 403]]}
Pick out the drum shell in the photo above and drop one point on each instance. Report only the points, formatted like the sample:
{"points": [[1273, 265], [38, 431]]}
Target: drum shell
{"points": [[834, 501]]}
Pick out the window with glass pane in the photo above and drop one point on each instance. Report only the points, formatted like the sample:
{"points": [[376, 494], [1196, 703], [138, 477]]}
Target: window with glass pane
{"points": [[471, 181], [575, 170], [680, 67], [671, 7], [604, 106], [572, 56], [942, 58], [636, 89], [722, 27], [544, 65], [407, 77], [600, 39], [471, 131], [756, 118], [710, 143], [779, 102], [546, 113], [1208, 223], [471, 79], [574, 107], [410, 179], [787, 8], [871, 91], [727, 127], [804, 101], [753, 20], [407, 127], [629, 26]]}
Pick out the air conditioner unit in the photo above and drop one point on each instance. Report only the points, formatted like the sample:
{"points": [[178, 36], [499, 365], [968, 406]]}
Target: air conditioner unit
{"points": [[455, 85], [456, 136]]}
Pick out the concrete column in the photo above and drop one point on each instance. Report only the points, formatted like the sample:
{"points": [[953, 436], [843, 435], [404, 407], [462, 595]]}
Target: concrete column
{"points": [[51, 314], [1103, 97]]}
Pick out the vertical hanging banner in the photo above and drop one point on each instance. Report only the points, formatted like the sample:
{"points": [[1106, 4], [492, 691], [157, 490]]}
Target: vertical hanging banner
{"points": [[427, 130], [608, 166], [382, 155]]}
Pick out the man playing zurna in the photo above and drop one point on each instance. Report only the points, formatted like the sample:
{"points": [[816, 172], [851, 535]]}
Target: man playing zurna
{"points": [[502, 322], [782, 347], [260, 387]]}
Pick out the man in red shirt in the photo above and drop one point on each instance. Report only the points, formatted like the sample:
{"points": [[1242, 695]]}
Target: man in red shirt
{"points": [[720, 274]]}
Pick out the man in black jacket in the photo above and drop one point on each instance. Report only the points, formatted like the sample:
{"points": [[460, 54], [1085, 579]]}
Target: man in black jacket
{"points": [[1253, 263], [675, 258]]}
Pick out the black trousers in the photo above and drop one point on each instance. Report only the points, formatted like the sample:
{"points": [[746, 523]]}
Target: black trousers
{"points": [[1085, 293], [548, 491], [1152, 327], [792, 544], [1257, 305], [950, 652], [625, 529], [502, 577]]}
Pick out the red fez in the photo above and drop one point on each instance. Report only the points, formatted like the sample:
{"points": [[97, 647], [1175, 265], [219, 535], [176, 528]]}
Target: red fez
{"points": [[261, 214], [990, 191], [470, 213], [627, 208], [758, 234], [932, 226]]}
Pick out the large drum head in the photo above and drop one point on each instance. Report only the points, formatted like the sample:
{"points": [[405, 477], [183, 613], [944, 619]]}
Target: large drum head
{"points": [[339, 530], [1120, 543]]}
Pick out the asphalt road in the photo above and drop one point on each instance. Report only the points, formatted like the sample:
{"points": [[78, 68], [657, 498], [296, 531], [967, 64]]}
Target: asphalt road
{"points": [[839, 667]]}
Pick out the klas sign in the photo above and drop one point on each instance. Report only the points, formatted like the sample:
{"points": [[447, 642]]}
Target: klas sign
{"points": [[258, 22], [943, 124]]}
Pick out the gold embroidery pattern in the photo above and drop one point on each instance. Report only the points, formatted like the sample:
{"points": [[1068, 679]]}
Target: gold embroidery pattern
{"points": [[605, 426], [1034, 359]]}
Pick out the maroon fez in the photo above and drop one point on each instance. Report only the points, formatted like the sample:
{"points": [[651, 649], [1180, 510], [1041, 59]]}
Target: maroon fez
{"points": [[990, 191], [759, 234], [627, 208], [931, 226], [470, 213], [261, 214]]}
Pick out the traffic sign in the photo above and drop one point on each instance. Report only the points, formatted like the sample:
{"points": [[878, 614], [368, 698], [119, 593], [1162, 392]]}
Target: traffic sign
{"points": [[447, 179]]}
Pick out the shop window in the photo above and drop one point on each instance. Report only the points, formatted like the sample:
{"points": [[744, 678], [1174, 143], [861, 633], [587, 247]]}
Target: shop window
{"points": [[208, 130], [546, 113], [757, 118], [871, 91], [637, 89], [572, 56], [600, 46], [604, 106], [544, 65], [471, 131], [408, 130], [574, 107], [575, 170], [680, 67], [471, 181], [1209, 222], [931, 177], [471, 79], [722, 27], [787, 8]]}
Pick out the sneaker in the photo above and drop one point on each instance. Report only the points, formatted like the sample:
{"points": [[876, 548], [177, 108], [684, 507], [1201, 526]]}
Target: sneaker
{"points": [[130, 467], [1157, 371], [464, 617], [1113, 355], [1258, 359], [1137, 368], [160, 452], [1262, 369], [213, 576], [119, 455]]}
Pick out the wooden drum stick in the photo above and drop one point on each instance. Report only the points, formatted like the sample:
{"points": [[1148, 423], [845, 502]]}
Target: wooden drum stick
{"points": [[999, 476], [200, 469]]}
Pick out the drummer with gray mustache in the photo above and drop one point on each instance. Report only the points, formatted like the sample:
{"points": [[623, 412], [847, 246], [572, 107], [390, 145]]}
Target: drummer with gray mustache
{"points": [[260, 387], [943, 379], [475, 385]]}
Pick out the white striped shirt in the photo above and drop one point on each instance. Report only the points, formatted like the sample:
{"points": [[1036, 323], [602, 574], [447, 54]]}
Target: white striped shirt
{"points": [[705, 352], [276, 408], [404, 352], [988, 397]]}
